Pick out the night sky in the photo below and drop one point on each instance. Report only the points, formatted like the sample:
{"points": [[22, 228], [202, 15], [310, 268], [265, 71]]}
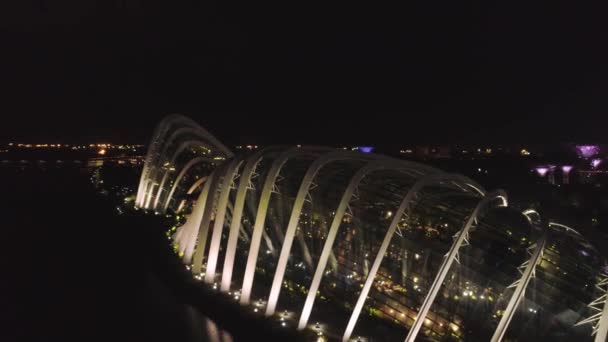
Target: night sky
{"points": [[311, 72]]}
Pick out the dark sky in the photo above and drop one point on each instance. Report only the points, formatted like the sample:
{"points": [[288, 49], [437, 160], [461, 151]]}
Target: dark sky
{"points": [[311, 72]]}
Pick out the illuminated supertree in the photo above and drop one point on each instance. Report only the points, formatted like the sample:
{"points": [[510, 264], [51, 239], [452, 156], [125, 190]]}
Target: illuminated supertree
{"points": [[541, 170], [566, 173], [587, 151]]}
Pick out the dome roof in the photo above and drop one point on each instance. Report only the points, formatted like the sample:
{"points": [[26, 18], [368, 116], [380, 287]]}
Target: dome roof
{"points": [[369, 245]]}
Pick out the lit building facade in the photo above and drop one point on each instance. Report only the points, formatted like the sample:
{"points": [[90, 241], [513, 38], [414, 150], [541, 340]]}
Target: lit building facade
{"points": [[358, 246]]}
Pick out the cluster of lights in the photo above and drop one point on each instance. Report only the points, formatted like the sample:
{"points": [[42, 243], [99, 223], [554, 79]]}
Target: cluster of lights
{"points": [[76, 147], [479, 150], [317, 327], [284, 315], [248, 147]]}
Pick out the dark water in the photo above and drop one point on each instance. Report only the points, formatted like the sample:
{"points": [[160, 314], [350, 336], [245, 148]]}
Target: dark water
{"points": [[74, 269]]}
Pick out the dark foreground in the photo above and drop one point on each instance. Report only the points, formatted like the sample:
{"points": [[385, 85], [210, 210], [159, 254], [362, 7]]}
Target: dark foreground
{"points": [[73, 269]]}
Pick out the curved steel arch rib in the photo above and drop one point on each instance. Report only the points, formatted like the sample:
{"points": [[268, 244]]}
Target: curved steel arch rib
{"points": [[195, 185], [184, 145], [461, 240], [599, 319], [334, 227], [431, 179], [201, 136], [179, 177], [218, 225], [260, 219], [203, 232], [191, 189], [599, 306], [294, 219], [159, 142], [602, 327], [237, 215], [532, 216], [192, 226], [149, 187], [520, 287], [211, 138], [564, 227], [190, 126], [150, 155]]}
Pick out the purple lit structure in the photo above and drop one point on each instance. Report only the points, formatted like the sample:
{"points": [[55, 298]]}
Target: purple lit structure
{"points": [[542, 171], [546, 170], [587, 151], [566, 173], [366, 149]]}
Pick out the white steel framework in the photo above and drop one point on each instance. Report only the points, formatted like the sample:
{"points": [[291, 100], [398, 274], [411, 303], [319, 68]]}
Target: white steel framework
{"points": [[217, 206], [461, 239]]}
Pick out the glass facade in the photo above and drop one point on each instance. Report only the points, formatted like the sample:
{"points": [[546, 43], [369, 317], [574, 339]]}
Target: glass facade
{"points": [[349, 245]]}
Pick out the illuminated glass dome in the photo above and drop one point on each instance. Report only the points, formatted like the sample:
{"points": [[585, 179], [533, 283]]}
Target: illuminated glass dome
{"points": [[357, 246]]}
